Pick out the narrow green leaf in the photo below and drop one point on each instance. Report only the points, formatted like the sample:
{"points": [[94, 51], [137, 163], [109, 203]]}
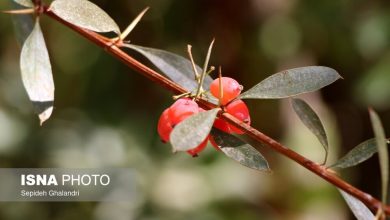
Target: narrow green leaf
{"points": [[382, 151], [311, 120], [241, 152], [37, 74], [360, 210], [292, 82], [191, 132], [175, 67], [25, 3], [358, 154], [84, 14]]}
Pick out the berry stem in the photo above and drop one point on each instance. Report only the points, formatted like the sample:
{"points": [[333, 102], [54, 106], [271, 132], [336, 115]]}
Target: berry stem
{"points": [[181, 95], [315, 168], [212, 68]]}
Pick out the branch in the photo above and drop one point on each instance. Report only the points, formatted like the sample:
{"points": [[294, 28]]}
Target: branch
{"points": [[316, 168]]}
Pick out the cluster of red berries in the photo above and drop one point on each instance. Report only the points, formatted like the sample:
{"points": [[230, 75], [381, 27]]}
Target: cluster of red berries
{"points": [[236, 107], [185, 107]]}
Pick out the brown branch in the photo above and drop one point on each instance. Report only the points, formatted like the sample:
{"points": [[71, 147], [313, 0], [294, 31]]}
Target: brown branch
{"points": [[316, 168]]}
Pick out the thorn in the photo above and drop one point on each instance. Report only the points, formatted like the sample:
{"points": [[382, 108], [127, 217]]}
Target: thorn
{"points": [[204, 72], [380, 215], [132, 25], [206, 62], [20, 11]]}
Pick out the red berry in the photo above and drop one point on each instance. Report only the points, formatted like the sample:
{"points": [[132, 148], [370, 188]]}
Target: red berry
{"points": [[182, 109], [164, 126], [239, 110], [194, 152], [214, 144], [230, 89], [222, 125]]}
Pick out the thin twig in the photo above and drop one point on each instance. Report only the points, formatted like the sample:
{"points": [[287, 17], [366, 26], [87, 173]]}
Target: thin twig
{"points": [[316, 168]]}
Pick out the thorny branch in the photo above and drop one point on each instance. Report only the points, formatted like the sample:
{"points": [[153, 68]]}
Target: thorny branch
{"points": [[314, 167]]}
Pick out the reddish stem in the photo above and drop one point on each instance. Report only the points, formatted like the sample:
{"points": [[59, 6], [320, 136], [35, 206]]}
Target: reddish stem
{"points": [[316, 168]]}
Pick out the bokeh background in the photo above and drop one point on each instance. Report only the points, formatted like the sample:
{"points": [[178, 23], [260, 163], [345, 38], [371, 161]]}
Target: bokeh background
{"points": [[106, 114]]}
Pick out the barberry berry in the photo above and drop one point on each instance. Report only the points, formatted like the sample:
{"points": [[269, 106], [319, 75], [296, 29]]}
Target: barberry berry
{"points": [[176, 113], [214, 144], [239, 110], [230, 89], [164, 126], [182, 109], [222, 125], [194, 152]]}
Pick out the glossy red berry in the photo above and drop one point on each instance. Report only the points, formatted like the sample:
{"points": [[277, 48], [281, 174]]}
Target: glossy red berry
{"points": [[239, 110], [194, 152], [164, 126], [182, 109], [222, 125], [213, 143], [176, 113], [230, 89]]}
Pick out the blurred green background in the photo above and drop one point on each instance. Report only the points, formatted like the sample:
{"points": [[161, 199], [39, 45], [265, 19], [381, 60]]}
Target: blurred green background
{"points": [[106, 114]]}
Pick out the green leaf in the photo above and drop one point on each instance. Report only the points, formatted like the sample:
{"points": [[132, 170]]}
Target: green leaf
{"points": [[243, 153], [292, 82], [358, 154], [175, 67], [311, 120], [37, 74], [25, 3], [193, 131], [382, 151], [84, 14], [360, 210]]}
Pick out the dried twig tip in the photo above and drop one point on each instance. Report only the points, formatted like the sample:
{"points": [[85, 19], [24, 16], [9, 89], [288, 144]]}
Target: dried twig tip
{"points": [[132, 25]]}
